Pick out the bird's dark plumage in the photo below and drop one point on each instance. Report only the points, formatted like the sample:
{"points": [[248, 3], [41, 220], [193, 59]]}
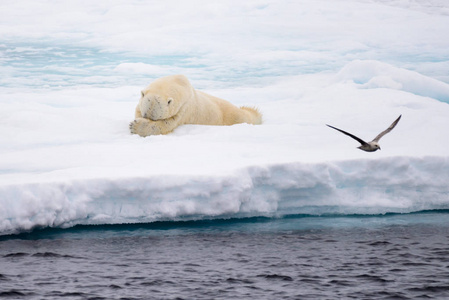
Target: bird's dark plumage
{"points": [[373, 145]]}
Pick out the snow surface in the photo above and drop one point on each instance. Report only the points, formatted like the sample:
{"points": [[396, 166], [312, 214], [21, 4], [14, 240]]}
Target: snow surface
{"points": [[72, 73]]}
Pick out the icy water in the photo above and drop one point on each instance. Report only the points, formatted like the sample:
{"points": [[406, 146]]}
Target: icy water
{"points": [[297, 257]]}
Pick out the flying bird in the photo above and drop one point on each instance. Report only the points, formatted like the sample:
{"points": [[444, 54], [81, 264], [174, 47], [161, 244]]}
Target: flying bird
{"points": [[374, 144]]}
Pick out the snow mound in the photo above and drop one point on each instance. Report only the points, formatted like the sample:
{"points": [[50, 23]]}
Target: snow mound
{"points": [[73, 161], [374, 74], [397, 184]]}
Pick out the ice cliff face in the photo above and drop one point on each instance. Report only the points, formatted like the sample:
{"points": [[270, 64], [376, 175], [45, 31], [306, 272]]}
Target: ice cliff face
{"points": [[396, 184]]}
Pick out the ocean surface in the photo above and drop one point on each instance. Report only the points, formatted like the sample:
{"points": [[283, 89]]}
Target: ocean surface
{"points": [[393, 256]]}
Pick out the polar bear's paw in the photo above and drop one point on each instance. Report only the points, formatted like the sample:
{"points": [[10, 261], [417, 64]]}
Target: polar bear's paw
{"points": [[133, 127], [144, 127]]}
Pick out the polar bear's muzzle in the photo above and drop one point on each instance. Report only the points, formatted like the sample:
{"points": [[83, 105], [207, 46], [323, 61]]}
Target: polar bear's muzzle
{"points": [[154, 108]]}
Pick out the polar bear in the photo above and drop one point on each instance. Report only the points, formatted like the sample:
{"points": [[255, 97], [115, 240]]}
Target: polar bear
{"points": [[171, 101]]}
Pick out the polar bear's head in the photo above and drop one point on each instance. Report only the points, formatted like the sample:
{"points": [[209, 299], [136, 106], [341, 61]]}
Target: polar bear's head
{"points": [[165, 97]]}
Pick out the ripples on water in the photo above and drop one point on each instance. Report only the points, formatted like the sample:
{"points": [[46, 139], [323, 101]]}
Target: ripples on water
{"points": [[257, 259]]}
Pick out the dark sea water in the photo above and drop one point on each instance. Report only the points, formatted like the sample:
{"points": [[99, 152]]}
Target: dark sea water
{"points": [[296, 257]]}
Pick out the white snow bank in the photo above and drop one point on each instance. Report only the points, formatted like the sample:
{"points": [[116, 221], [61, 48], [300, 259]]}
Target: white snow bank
{"points": [[116, 41], [67, 157], [396, 184], [373, 74]]}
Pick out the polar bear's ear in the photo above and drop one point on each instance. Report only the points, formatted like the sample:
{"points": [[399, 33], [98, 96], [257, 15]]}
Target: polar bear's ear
{"points": [[142, 93]]}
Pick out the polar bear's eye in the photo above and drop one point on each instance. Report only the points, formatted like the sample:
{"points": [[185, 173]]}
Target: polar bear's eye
{"points": [[169, 101]]}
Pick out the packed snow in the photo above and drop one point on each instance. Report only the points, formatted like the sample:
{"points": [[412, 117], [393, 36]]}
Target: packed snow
{"points": [[72, 74]]}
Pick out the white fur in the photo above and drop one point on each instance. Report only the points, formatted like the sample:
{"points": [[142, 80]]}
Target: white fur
{"points": [[171, 101]]}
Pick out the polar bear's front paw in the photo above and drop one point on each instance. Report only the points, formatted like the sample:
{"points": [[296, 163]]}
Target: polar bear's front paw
{"points": [[138, 126], [144, 127], [133, 127]]}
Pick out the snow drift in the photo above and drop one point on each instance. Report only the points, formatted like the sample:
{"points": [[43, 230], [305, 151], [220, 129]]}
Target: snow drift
{"points": [[87, 168], [395, 184]]}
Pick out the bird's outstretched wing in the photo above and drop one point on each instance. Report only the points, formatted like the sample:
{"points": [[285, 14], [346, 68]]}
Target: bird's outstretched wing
{"points": [[351, 135], [377, 138]]}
